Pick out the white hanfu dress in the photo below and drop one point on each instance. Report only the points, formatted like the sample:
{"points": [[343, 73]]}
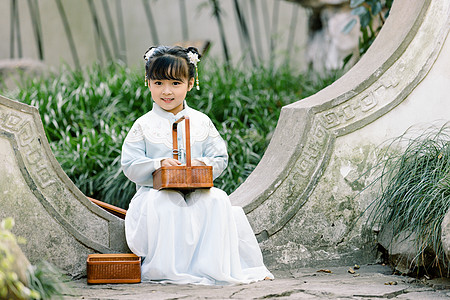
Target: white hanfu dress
{"points": [[196, 238]]}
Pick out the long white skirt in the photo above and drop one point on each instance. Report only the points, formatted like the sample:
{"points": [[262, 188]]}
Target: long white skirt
{"points": [[198, 238]]}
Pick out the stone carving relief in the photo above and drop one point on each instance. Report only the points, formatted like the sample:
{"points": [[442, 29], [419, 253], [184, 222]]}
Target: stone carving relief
{"points": [[50, 212]]}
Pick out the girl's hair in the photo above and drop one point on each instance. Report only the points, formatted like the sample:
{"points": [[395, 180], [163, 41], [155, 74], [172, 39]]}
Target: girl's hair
{"points": [[172, 63]]}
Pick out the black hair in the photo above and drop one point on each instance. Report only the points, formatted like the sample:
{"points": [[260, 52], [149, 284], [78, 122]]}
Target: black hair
{"points": [[170, 63]]}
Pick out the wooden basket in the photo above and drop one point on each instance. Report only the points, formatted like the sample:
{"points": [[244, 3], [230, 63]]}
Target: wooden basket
{"points": [[113, 268], [183, 177]]}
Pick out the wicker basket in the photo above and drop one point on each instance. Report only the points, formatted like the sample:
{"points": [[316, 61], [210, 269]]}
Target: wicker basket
{"points": [[183, 177], [113, 268]]}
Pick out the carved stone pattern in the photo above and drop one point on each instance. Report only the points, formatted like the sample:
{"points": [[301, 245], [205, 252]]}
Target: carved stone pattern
{"points": [[314, 149], [32, 150], [356, 108], [296, 183]]}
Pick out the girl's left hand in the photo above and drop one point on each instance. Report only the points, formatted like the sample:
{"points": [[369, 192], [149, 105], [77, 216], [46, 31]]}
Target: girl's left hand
{"points": [[196, 163]]}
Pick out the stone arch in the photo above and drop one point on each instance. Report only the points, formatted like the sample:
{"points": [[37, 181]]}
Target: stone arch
{"points": [[59, 223], [304, 142]]}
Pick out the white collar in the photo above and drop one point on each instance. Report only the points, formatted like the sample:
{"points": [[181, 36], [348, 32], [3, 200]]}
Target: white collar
{"points": [[168, 115]]}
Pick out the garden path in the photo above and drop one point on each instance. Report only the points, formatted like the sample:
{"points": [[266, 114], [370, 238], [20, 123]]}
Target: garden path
{"points": [[368, 282]]}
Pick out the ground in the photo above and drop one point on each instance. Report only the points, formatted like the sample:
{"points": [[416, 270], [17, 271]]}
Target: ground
{"points": [[368, 282]]}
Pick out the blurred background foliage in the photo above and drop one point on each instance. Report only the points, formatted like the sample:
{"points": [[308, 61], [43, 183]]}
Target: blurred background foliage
{"points": [[371, 16]]}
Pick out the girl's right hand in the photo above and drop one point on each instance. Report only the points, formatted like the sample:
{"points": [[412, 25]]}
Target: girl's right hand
{"points": [[167, 162]]}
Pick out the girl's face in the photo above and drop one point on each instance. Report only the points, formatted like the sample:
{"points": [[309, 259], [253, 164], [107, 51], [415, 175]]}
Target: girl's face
{"points": [[170, 94]]}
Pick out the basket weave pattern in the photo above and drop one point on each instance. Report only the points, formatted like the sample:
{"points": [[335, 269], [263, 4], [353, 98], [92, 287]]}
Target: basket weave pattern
{"points": [[175, 177], [183, 177], [113, 268]]}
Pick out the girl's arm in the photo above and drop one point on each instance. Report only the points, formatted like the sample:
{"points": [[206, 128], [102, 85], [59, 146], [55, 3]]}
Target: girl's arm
{"points": [[136, 165]]}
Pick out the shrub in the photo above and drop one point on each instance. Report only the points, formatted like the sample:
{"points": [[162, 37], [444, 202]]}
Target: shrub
{"points": [[414, 193]]}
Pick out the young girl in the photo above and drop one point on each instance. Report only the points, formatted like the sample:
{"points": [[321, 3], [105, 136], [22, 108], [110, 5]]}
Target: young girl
{"points": [[183, 238]]}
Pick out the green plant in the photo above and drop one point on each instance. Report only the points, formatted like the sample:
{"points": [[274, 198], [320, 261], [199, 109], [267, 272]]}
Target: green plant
{"points": [[372, 15], [10, 283], [414, 193], [87, 114], [38, 282], [47, 280]]}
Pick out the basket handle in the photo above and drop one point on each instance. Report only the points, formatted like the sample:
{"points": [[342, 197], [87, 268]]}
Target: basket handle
{"points": [[188, 139]]}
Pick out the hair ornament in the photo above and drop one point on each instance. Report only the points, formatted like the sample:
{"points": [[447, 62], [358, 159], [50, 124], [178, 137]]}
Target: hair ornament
{"points": [[149, 53], [147, 56], [193, 59]]}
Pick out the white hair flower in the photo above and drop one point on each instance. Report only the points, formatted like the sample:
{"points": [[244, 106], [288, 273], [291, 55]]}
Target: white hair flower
{"points": [[193, 58], [149, 53]]}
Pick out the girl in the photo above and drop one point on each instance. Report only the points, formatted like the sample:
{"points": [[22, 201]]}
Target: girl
{"points": [[196, 237]]}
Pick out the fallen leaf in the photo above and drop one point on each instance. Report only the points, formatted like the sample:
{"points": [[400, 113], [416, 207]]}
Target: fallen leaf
{"points": [[351, 271], [356, 267], [391, 283], [324, 271]]}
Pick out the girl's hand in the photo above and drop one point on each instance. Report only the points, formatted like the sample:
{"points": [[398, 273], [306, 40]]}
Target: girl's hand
{"points": [[167, 162], [196, 163]]}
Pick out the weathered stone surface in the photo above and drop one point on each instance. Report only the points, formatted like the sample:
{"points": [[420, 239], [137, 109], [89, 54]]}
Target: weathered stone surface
{"points": [[304, 199], [445, 234], [59, 223], [402, 249]]}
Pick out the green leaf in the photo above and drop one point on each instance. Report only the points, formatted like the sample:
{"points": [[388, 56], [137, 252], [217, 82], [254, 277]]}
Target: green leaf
{"points": [[365, 19], [349, 26], [361, 10], [376, 8], [355, 3], [347, 59]]}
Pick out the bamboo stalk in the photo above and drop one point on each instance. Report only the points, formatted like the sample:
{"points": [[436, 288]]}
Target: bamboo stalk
{"points": [[266, 18], [15, 30], [72, 47], [112, 32], [151, 21], [244, 34], [257, 33], [99, 31], [36, 20], [121, 27], [292, 29], [216, 13], [12, 29], [183, 17]]}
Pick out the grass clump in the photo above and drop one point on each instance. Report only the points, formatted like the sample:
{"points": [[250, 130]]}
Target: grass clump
{"points": [[87, 114], [414, 193]]}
